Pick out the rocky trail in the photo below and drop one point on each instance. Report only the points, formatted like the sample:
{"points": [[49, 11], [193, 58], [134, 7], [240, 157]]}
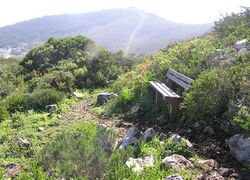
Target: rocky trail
{"points": [[211, 147]]}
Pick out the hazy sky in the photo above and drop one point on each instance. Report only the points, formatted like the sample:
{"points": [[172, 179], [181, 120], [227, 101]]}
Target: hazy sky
{"points": [[184, 11]]}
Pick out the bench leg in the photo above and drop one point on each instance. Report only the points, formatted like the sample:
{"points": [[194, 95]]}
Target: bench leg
{"points": [[157, 98], [174, 110]]}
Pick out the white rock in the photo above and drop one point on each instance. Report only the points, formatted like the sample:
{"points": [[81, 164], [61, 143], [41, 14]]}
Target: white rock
{"points": [[59, 116], [149, 133], [51, 108], [174, 177], [241, 44], [23, 142], [132, 137], [138, 164], [78, 95], [41, 129], [177, 161], [239, 146], [178, 139]]}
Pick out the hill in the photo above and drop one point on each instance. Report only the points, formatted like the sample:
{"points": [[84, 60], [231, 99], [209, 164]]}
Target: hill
{"points": [[128, 29]]}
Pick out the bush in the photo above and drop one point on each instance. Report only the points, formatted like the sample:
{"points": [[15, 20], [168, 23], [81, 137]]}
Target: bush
{"points": [[209, 97], [76, 155], [40, 98], [59, 80], [242, 119], [202, 100], [15, 101], [3, 112]]}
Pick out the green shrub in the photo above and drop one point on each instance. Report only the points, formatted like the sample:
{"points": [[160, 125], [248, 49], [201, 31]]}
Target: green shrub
{"points": [[3, 112], [40, 98], [60, 80], [202, 102], [242, 119], [15, 101], [75, 156], [211, 93]]}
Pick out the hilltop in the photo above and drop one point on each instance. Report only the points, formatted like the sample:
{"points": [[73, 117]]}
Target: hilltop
{"points": [[130, 30]]}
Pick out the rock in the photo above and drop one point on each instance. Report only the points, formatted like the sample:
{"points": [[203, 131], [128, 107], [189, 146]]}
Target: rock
{"points": [[189, 130], [208, 165], [23, 142], [103, 97], [209, 130], [78, 95], [239, 146], [59, 116], [226, 172], [243, 51], [149, 134], [163, 136], [177, 161], [174, 177], [132, 137], [30, 111], [162, 143], [242, 44], [196, 125], [212, 176], [41, 129], [178, 139], [138, 164], [135, 109], [105, 138], [51, 108], [11, 170]]}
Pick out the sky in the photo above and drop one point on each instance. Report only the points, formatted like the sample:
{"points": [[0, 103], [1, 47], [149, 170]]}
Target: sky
{"points": [[182, 11]]}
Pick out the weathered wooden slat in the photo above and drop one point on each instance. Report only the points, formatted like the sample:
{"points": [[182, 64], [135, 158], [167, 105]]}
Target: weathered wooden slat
{"points": [[158, 89], [180, 76], [175, 94], [178, 81], [166, 90]]}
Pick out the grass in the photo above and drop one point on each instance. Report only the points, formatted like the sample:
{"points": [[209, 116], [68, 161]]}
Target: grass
{"points": [[67, 149]]}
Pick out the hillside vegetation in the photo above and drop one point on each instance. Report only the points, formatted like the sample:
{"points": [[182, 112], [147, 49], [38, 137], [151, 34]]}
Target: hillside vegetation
{"points": [[37, 144]]}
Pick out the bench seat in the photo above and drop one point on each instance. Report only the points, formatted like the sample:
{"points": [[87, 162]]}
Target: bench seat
{"points": [[165, 91]]}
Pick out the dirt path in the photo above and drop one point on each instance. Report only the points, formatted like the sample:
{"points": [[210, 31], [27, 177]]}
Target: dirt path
{"points": [[82, 110]]}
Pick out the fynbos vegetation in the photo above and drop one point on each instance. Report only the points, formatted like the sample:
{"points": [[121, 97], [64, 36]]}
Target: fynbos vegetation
{"points": [[52, 128]]}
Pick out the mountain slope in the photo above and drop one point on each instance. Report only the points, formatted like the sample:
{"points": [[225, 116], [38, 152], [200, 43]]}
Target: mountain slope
{"points": [[129, 29]]}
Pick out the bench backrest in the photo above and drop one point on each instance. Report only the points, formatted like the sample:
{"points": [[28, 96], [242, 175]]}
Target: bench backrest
{"points": [[179, 79]]}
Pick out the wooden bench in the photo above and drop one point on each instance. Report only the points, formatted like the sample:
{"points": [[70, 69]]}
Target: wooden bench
{"points": [[167, 92]]}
